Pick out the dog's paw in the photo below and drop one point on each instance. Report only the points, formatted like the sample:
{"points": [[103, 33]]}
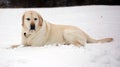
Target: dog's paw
{"points": [[14, 46]]}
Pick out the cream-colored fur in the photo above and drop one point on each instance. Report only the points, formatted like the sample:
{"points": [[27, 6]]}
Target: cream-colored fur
{"points": [[47, 33]]}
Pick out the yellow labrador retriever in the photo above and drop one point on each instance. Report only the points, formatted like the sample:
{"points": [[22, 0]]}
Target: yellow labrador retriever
{"points": [[38, 32]]}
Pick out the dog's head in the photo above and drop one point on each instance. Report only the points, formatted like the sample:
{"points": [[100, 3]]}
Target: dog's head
{"points": [[31, 20]]}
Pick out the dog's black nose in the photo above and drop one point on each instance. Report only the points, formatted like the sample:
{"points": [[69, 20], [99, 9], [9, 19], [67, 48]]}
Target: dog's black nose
{"points": [[32, 27]]}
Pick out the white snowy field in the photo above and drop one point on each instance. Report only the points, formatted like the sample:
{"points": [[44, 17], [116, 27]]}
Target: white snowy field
{"points": [[97, 21]]}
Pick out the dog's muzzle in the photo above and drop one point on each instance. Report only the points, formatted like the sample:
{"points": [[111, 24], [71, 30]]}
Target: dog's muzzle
{"points": [[32, 27]]}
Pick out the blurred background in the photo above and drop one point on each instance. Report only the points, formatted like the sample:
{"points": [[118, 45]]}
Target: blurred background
{"points": [[53, 3]]}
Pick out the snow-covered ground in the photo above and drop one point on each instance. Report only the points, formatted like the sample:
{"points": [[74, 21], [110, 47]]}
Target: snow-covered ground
{"points": [[97, 21]]}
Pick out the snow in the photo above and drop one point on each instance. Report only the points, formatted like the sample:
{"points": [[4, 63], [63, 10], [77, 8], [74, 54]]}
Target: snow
{"points": [[98, 21]]}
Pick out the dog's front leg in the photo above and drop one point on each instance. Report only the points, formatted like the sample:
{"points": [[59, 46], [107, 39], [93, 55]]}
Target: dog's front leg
{"points": [[14, 46]]}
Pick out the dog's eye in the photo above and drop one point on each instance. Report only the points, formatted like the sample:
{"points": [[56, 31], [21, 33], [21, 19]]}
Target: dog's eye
{"points": [[28, 19], [35, 18]]}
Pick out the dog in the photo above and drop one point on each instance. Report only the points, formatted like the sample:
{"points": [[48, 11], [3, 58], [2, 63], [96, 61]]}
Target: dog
{"points": [[38, 32]]}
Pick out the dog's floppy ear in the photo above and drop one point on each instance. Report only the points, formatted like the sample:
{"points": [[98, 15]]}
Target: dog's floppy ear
{"points": [[40, 20], [23, 20]]}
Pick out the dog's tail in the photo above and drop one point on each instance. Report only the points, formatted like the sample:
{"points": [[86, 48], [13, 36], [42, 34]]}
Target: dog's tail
{"points": [[104, 40]]}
